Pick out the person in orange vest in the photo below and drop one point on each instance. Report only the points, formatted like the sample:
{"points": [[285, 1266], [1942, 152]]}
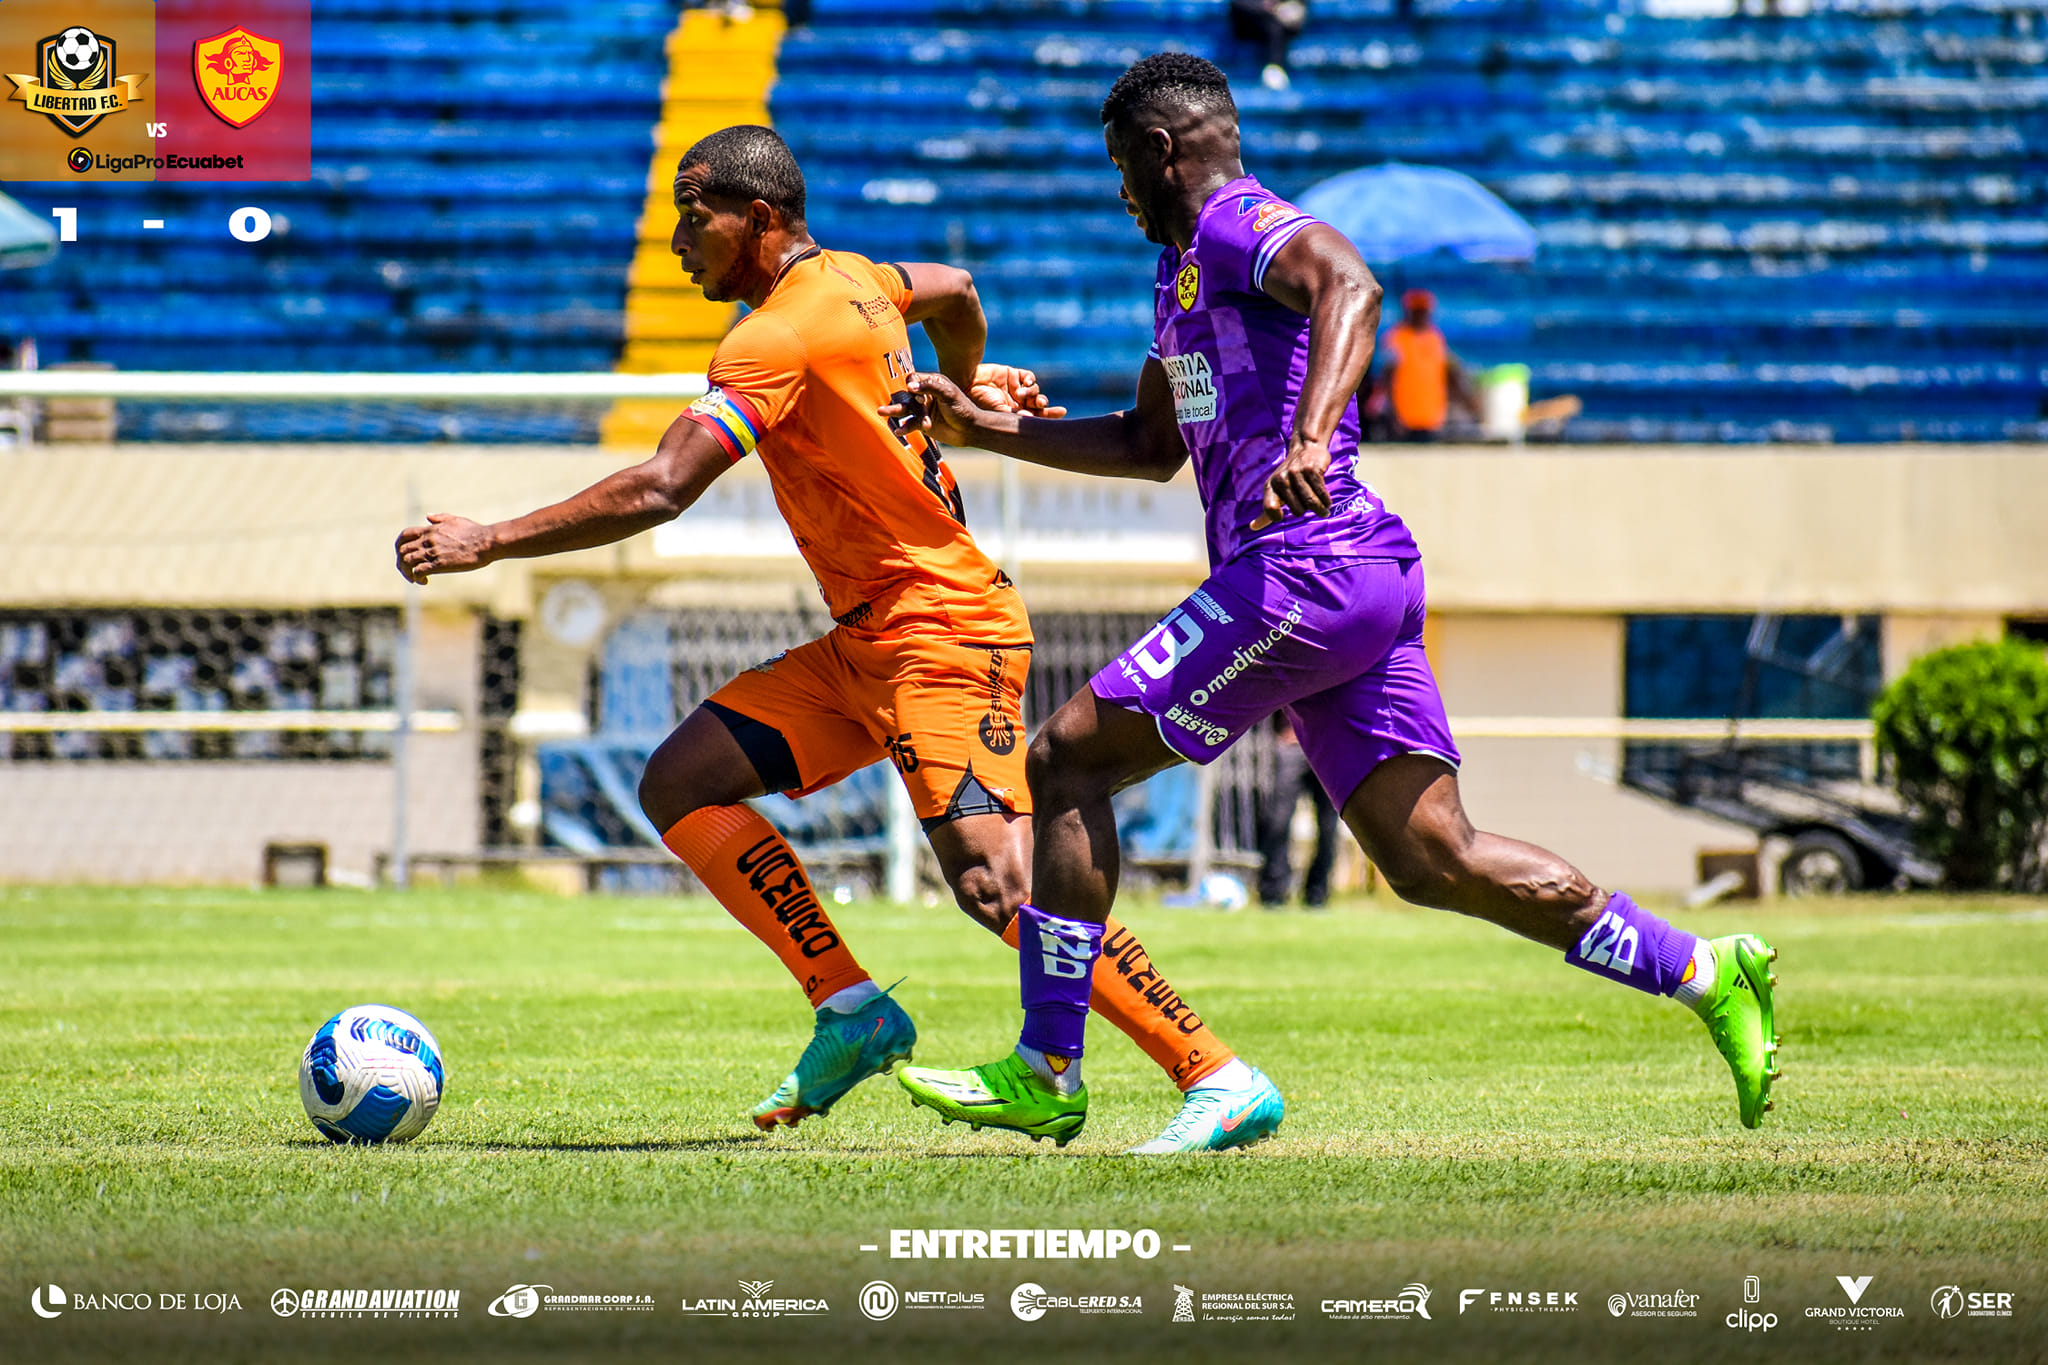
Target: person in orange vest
{"points": [[1422, 378]]}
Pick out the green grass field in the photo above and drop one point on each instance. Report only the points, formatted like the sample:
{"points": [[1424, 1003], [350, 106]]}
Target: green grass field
{"points": [[1464, 1112]]}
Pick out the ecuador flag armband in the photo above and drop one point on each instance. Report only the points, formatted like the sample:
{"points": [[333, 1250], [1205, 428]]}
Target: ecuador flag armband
{"points": [[729, 418]]}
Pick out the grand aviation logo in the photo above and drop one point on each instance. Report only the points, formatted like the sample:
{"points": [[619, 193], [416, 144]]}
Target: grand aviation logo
{"points": [[237, 73], [76, 81]]}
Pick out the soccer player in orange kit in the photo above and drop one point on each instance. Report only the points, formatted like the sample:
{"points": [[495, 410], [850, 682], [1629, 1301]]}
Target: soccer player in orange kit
{"points": [[927, 662]]}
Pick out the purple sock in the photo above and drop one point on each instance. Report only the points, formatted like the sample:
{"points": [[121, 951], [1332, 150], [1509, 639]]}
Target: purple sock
{"points": [[1630, 945], [1056, 962]]}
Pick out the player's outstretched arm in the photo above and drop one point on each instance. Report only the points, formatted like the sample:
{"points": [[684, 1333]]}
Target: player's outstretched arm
{"points": [[1321, 274], [615, 507], [1141, 442]]}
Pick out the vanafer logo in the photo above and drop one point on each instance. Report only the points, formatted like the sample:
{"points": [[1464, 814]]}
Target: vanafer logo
{"points": [[1675, 1303]]}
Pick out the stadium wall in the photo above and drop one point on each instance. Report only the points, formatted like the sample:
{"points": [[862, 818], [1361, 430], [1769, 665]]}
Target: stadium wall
{"points": [[1535, 559]]}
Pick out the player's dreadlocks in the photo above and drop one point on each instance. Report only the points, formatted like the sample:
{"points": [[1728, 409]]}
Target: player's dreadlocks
{"points": [[1168, 80], [749, 162]]}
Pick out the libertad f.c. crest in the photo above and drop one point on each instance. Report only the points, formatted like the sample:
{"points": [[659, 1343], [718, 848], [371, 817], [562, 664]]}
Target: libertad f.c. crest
{"points": [[237, 73], [74, 82]]}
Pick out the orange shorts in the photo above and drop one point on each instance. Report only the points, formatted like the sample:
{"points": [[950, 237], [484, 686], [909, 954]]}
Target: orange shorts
{"points": [[949, 716]]}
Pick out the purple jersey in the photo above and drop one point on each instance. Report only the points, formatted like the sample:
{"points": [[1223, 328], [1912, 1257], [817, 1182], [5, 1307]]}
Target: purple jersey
{"points": [[1237, 360]]}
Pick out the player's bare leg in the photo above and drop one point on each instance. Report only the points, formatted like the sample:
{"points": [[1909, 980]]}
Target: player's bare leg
{"points": [[1408, 817], [1087, 752], [694, 790], [1411, 821]]}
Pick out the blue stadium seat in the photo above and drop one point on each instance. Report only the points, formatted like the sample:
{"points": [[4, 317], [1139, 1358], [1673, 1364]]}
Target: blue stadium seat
{"points": [[1821, 228]]}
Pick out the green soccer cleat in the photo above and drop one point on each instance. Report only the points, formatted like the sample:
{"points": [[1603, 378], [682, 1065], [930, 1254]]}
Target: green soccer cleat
{"points": [[845, 1049], [1738, 1012], [1216, 1118], [1005, 1094]]}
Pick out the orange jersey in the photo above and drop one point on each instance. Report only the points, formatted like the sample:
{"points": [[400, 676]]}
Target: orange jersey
{"points": [[1421, 382], [876, 515]]}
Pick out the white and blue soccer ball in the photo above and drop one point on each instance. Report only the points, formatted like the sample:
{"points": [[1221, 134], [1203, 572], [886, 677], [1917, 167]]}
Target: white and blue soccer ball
{"points": [[371, 1074], [77, 49]]}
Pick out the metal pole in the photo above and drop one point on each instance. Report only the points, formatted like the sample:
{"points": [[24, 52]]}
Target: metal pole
{"points": [[1203, 853], [407, 700], [901, 870]]}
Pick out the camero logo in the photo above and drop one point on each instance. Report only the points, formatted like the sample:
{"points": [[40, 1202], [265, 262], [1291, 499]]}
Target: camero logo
{"points": [[237, 74], [74, 84]]}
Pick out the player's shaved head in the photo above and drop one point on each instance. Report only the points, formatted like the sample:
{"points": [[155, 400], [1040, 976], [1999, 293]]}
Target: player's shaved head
{"points": [[1171, 128], [1170, 87], [748, 162]]}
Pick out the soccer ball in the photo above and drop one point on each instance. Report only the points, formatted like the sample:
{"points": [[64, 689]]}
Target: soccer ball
{"points": [[77, 49], [371, 1074]]}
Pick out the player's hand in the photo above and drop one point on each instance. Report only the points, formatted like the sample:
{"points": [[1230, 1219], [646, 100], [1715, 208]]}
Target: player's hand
{"points": [[446, 544], [932, 403], [1011, 388], [1297, 485]]}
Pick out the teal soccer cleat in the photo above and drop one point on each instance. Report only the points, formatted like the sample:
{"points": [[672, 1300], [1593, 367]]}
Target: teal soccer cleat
{"points": [[845, 1049], [1217, 1118]]}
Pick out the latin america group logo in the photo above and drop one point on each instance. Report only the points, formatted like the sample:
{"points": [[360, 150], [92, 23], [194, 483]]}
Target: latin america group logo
{"points": [[76, 82], [238, 73]]}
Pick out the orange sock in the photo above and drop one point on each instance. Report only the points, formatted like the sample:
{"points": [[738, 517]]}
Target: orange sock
{"points": [[1129, 992], [755, 875]]}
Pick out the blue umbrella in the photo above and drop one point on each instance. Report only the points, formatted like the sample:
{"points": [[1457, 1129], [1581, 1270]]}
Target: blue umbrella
{"points": [[24, 238], [1393, 211]]}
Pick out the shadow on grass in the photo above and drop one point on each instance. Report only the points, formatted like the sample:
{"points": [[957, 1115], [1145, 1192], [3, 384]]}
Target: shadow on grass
{"points": [[740, 1142]]}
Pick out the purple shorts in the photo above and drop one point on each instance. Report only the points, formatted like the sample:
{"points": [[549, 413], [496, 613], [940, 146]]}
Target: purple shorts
{"points": [[1335, 643]]}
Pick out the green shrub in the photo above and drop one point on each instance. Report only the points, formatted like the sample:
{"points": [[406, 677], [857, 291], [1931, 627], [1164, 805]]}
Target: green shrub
{"points": [[1964, 732]]}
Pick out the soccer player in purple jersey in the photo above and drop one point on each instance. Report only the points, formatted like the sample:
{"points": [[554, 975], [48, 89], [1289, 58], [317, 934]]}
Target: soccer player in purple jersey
{"points": [[1264, 325]]}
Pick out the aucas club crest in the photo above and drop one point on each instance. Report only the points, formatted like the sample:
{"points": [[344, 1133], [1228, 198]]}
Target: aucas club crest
{"points": [[74, 83], [237, 73]]}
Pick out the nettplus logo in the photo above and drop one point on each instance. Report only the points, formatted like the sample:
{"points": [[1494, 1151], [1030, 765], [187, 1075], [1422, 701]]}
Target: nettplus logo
{"points": [[878, 1300]]}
